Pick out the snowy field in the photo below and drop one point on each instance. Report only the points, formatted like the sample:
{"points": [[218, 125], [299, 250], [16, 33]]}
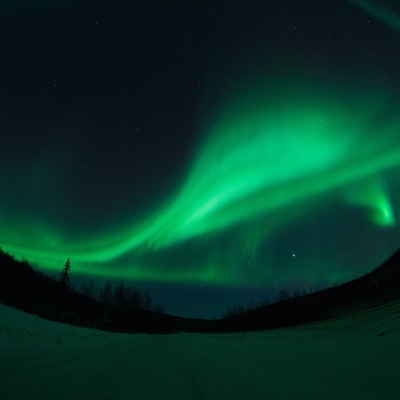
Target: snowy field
{"points": [[348, 358]]}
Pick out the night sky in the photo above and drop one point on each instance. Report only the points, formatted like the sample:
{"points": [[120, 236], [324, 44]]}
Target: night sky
{"points": [[212, 152]]}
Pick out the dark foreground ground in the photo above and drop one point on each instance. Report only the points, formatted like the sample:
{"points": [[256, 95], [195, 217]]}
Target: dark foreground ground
{"points": [[356, 357]]}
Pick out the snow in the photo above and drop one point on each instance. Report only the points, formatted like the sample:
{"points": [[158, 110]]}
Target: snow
{"points": [[357, 357]]}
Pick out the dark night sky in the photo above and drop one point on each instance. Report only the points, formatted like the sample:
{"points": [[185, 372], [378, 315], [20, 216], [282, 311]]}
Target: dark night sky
{"points": [[211, 152]]}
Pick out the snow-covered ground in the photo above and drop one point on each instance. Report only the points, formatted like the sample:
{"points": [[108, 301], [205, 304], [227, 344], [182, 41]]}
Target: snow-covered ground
{"points": [[349, 358]]}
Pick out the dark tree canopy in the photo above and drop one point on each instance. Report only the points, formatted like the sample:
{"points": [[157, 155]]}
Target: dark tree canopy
{"points": [[64, 275]]}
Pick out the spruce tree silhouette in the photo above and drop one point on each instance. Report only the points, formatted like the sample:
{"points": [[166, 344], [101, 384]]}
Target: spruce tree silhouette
{"points": [[63, 277], [62, 294]]}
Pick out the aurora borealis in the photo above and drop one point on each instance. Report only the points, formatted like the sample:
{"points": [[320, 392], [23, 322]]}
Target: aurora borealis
{"points": [[202, 148]]}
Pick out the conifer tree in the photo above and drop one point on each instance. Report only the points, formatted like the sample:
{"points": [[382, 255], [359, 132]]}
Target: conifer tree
{"points": [[63, 292], [63, 277]]}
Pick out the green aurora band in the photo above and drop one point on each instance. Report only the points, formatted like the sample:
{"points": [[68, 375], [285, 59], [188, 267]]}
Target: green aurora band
{"points": [[266, 162], [379, 11]]}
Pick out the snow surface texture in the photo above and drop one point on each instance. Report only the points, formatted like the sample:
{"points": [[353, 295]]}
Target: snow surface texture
{"points": [[348, 358]]}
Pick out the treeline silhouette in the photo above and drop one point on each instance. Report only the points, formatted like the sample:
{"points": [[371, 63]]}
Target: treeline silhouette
{"points": [[282, 295], [125, 309], [120, 309], [378, 287]]}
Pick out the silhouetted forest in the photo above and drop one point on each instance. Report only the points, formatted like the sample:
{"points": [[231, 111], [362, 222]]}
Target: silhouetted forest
{"points": [[378, 287], [123, 308], [126, 309]]}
